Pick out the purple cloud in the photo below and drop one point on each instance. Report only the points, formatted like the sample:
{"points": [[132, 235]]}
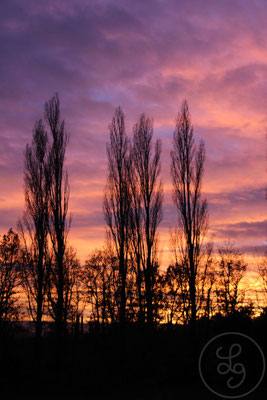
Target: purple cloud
{"points": [[145, 56]]}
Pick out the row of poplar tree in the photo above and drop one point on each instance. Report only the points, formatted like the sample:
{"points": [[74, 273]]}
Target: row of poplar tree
{"points": [[123, 282]]}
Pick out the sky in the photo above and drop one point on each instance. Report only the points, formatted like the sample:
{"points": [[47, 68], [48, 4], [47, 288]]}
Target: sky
{"points": [[146, 56]]}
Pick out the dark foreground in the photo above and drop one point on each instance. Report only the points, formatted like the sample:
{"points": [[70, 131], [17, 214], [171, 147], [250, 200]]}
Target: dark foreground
{"points": [[136, 363]]}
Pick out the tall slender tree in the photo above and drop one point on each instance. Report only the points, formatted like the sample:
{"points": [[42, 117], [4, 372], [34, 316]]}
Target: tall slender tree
{"points": [[187, 169], [117, 200], [59, 221], [137, 238], [35, 221], [149, 193]]}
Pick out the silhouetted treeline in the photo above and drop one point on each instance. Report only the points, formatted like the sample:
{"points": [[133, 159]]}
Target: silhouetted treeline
{"points": [[41, 277], [117, 321]]}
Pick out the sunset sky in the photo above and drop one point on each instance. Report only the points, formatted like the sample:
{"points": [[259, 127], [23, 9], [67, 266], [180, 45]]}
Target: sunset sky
{"points": [[146, 56]]}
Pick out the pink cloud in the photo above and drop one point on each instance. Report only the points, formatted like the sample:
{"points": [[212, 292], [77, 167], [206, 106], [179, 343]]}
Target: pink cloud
{"points": [[145, 56]]}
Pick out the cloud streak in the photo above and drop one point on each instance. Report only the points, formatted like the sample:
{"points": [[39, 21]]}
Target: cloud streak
{"points": [[145, 56]]}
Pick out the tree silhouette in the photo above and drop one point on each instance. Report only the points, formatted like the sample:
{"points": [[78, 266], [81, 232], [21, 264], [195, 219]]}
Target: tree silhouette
{"points": [[147, 204], [231, 270], [117, 200], [10, 276], [136, 242], [72, 307], [35, 221], [262, 269], [187, 170], [100, 286], [176, 283], [207, 278], [58, 223], [176, 294]]}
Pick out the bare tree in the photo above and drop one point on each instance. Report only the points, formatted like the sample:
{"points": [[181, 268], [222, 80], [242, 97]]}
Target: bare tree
{"points": [[35, 222], [136, 228], [175, 304], [176, 286], [100, 286], [147, 204], [117, 199], [59, 222], [231, 270], [72, 303], [187, 170], [10, 277], [206, 283], [261, 293], [176, 277], [262, 269]]}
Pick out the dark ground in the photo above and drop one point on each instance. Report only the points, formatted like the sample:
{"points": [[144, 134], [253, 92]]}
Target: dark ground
{"points": [[138, 363]]}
